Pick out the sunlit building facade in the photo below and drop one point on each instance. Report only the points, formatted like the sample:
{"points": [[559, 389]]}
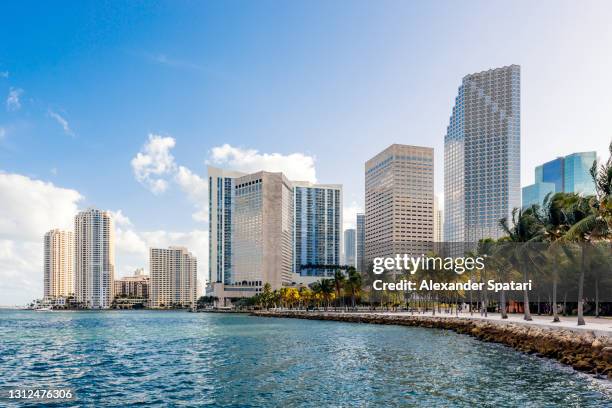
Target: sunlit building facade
{"points": [[399, 195], [173, 281], [350, 247], [58, 264], [482, 155], [94, 252]]}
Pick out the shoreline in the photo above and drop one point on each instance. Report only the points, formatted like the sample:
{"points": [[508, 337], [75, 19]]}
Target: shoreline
{"points": [[583, 350]]}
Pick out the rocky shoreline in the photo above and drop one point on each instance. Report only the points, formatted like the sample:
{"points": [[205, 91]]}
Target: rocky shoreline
{"points": [[583, 351]]}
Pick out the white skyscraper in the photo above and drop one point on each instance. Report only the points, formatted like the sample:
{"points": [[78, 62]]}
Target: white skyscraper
{"points": [[58, 264], [94, 247], [174, 273], [482, 158]]}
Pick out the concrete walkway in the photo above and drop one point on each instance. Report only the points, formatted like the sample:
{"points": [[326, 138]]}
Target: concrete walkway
{"points": [[601, 326]]}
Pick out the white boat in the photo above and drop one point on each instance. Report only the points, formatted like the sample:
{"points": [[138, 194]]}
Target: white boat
{"points": [[43, 309]]}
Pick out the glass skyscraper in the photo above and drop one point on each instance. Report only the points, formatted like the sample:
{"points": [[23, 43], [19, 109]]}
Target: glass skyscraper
{"points": [[317, 228], [568, 174], [350, 247], [482, 155]]}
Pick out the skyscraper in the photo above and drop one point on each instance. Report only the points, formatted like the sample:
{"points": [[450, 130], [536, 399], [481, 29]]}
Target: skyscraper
{"points": [[360, 262], [317, 227], [94, 248], [58, 264], [399, 188], [482, 155], [220, 203], [173, 280], [349, 247], [262, 232], [568, 174]]}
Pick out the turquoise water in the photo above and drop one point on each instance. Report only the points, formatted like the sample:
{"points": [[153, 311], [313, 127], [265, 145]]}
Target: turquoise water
{"points": [[194, 359]]}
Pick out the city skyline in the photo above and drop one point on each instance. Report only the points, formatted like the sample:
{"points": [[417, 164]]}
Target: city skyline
{"points": [[130, 151]]}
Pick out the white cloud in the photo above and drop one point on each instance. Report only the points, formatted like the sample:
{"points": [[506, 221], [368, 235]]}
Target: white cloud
{"points": [[196, 189], [28, 209], [349, 215], [4, 74], [62, 122], [12, 101], [296, 166], [154, 162]]}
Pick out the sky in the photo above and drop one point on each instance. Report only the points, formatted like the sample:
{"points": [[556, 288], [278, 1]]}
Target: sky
{"points": [[122, 105]]}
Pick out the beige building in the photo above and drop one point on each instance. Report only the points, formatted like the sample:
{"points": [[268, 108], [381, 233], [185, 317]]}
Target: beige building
{"points": [[136, 286], [58, 264], [399, 199], [94, 246], [173, 277]]}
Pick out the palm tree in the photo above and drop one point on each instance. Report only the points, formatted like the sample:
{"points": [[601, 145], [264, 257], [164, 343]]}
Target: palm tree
{"points": [[353, 284], [524, 229], [554, 221], [339, 279]]}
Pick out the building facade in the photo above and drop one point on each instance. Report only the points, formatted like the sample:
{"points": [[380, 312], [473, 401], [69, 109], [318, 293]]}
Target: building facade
{"points": [[94, 252], [58, 264], [220, 203], [399, 195], [350, 247], [136, 286], [174, 273], [438, 221], [360, 262], [317, 227], [569, 174], [482, 155]]}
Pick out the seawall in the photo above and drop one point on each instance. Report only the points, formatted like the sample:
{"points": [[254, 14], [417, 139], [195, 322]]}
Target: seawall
{"points": [[583, 351]]}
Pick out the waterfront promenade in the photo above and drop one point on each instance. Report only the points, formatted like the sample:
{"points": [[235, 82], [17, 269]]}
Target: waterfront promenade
{"points": [[599, 326]]}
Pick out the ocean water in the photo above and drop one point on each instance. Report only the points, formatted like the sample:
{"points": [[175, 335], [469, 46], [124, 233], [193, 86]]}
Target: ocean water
{"points": [[127, 358]]}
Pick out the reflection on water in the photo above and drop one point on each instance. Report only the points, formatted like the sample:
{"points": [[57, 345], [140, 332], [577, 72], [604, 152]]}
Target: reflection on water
{"points": [[168, 358]]}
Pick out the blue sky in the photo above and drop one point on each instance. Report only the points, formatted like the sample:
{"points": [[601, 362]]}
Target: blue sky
{"points": [[84, 84]]}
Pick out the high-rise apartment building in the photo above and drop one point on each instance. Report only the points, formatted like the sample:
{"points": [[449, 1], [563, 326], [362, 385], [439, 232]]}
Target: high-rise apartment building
{"points": [[360, 262], [350, 247], [94, 252], [569, 174], [58, 264], [482, 155], [438, 221], [317, 228], [399, 194], [173, 281]]}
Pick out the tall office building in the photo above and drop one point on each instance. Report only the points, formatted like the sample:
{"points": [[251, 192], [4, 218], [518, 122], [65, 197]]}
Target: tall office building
{"points": [[173, 279], [438, 221], [94, 251], [58, 264], [360, 262], [317, 228], [569, 174], [262, 232], [220, 203], [482, 155], [350, 247], [399, 193]]}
